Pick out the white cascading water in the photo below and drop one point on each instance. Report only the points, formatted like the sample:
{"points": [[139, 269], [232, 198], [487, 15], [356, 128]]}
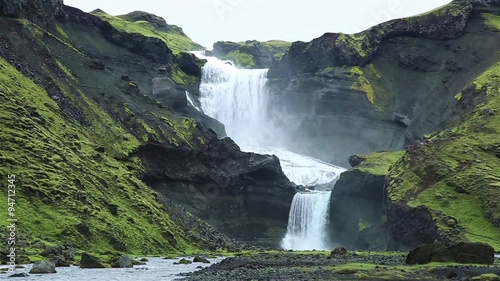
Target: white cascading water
{"points": [[238, 99]]}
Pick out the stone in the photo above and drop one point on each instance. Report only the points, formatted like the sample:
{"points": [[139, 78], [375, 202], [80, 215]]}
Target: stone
{"points": [[473, 253], [22, 274], [41, 12], [355, 160], [201, 259], [123, 261], [43, 267], [89, 261], [339, 251]]}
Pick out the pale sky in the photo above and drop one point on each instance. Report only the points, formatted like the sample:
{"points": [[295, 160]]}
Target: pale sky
{"points": [[208, 21]]}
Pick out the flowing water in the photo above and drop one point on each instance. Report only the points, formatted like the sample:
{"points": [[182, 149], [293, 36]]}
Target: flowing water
{"points": [[238, 99], [156, 269]]}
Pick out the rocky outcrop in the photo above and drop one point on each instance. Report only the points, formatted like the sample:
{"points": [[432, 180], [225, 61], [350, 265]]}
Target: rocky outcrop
{"points": [[152, 48], [41, 12], [122, 261], [358, 204], [469, 253], [381, 89], [337, 49], [43, 267], [109, 106], [244, 195], [251, 53]]}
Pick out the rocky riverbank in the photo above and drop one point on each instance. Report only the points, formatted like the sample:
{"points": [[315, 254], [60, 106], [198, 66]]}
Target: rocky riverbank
{"points": [[283, 265]]}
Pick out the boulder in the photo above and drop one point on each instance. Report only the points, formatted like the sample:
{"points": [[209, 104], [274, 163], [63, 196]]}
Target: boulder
{"points": [[41, 12], [63, 255], [22, 274], [201, 259], [89, 261], [43, 267], [474, 253], [123, 261], [339, 251]]}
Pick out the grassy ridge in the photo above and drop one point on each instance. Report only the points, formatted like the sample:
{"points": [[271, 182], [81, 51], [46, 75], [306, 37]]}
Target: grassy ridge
{"points": [[70, 185], [457, 172]]}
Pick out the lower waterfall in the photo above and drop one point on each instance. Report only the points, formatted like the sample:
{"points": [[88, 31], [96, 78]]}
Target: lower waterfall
{"points": [[238, 99], [308, 221]]}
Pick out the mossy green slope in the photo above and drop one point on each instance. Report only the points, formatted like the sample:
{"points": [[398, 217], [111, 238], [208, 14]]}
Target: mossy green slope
{"points": [[457, 172], [67, 189], [175, 39]]}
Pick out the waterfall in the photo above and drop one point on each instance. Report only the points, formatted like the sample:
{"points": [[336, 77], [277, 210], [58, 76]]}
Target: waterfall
{"points": [[238, 99], [307, 222], [235, 97]]}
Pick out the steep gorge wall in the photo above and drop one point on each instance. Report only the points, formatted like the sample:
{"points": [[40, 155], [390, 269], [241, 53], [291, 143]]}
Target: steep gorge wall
{"points": [[104, 113], [383, 88]]}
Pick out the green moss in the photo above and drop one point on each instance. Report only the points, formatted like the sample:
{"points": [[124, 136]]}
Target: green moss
{"points": [[362, 225], [241, 59], [62, 34], [486, 277], [175, 39], [456, 173], [277, 48], [368, 80], [378, 163], [492, 20], [181, 78], [69, 178]]}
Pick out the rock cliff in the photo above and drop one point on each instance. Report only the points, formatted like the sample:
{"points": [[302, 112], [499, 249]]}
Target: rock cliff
{"points": [[384, 88], [442, 188], [251, 53]]}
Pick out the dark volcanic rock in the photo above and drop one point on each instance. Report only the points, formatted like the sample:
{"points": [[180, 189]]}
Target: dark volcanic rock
{"points": [[381, 89], [248, 199], [123, 261], [474, 253], [357, 202], [336, 49], [262, 54], [201, 259], [152, 48], [41, 12], [422, 231]]}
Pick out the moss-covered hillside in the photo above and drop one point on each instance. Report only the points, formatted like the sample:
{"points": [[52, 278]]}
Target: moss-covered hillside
{"points": [[456, 173], [251, 54], [152, 26]]}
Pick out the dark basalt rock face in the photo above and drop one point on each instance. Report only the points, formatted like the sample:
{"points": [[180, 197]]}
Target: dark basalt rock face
{"points": [[262, 54], [469, 253], [244, 195], [357, 201], [41, 12], [92, 68], [152, 48]]}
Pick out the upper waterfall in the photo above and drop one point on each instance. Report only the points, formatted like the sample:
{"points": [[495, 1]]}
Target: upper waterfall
{"points": [[240, 100]]}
